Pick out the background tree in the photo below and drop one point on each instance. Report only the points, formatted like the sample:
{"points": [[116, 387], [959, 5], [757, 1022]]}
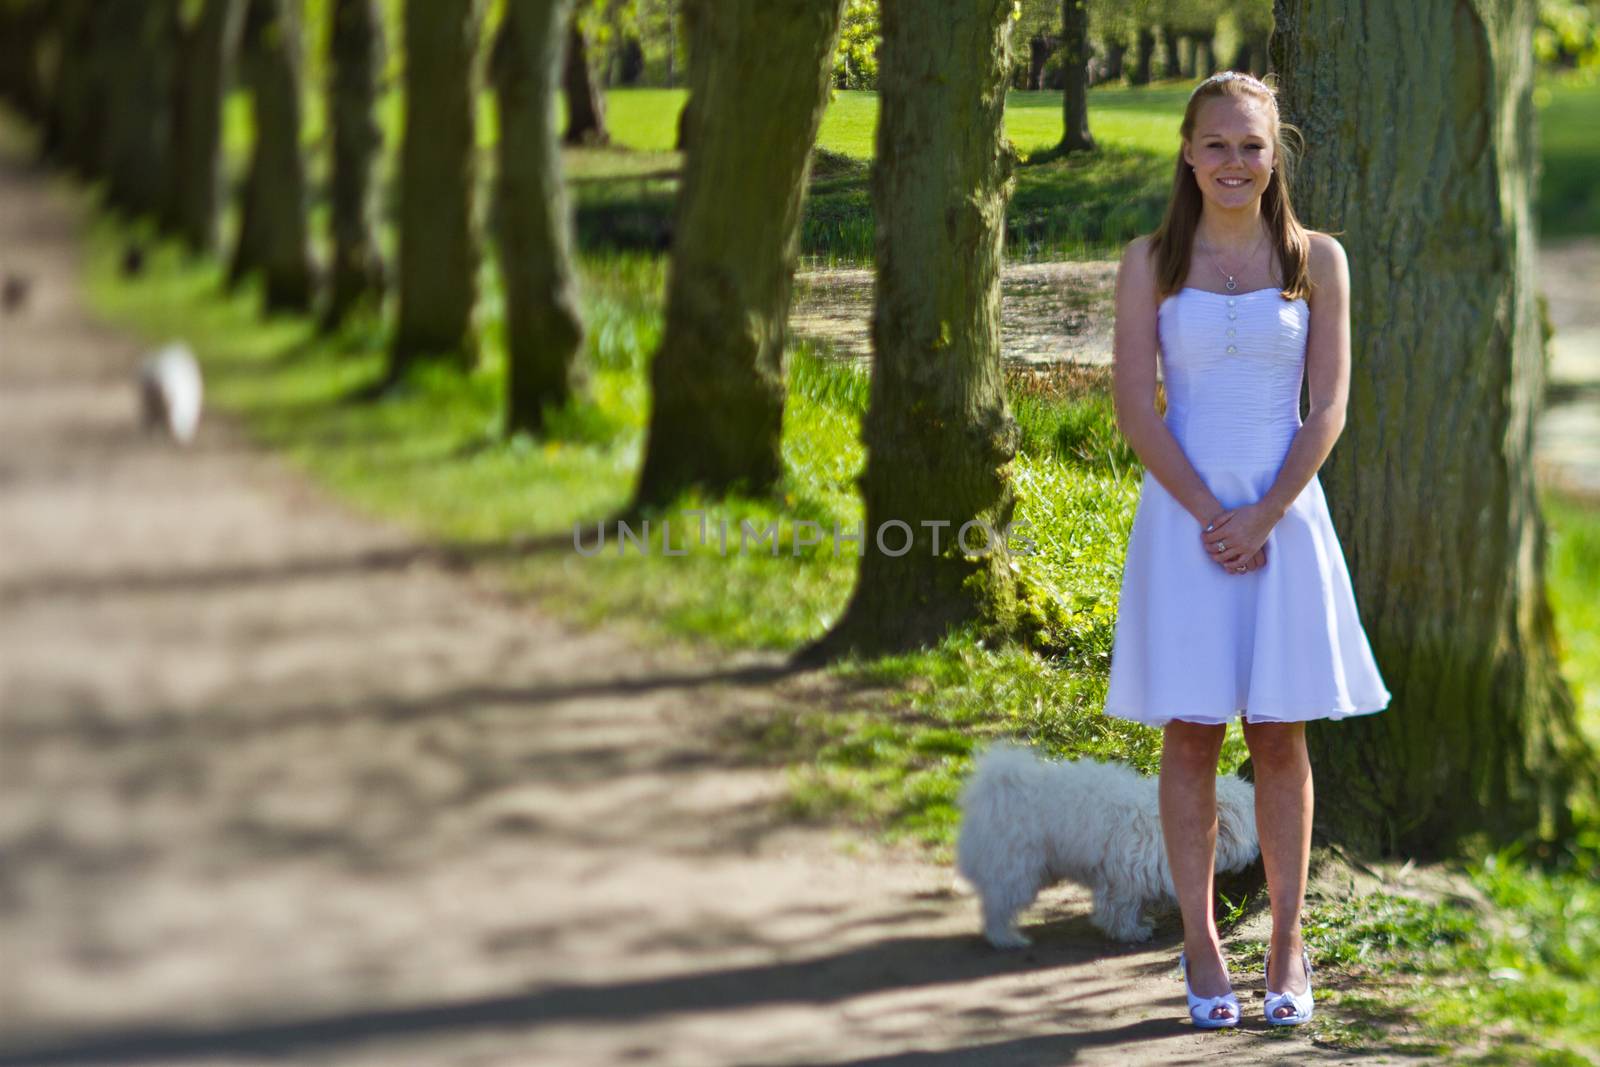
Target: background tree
{"points": [[75, 122], [938, 433], [274, 236], [1432, 483], [439, 227], [138, 52], [1075, 136], [544, 330], [759, 85], [586, 105], [356, 48], [208, 47]]}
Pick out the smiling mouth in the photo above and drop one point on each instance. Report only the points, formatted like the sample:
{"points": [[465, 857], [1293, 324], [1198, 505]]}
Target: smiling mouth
{"points": [[1233, 183]]}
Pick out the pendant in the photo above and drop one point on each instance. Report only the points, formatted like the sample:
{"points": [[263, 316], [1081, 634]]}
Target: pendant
{"points": [[1232, 285]]}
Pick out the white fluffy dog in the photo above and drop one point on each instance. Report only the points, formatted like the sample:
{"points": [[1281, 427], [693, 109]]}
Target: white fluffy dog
{"points": [[1028, 823], [169, 392]]}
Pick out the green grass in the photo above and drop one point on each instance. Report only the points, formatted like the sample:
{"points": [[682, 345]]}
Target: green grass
{"points": [[1569, 150]]}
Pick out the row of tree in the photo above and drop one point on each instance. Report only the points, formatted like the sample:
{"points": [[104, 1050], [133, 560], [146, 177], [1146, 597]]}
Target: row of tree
{"points": [[1432, 482]]}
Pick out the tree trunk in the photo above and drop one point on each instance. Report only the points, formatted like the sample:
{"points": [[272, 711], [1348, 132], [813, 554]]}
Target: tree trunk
{"points": [[1431, 485], [1144, 52], [273, 232], [1040, 48], [439, 225], [544, 328], [1169, 53], [1116, 50], [141, 36], [689, 14], [1075, 136], [939, 435], [1205, 62], [194, 196], [356, 47], [1186, 55], [24, 24], [76, 124], [1261, 55], [586, 105], [1241, 56], [758, 87]]}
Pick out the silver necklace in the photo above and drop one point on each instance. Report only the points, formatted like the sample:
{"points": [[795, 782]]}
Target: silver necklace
{"points": [[1232, 284]]}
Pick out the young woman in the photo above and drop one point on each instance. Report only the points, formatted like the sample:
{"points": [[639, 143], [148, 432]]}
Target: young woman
{"points": [[1235, 595]]}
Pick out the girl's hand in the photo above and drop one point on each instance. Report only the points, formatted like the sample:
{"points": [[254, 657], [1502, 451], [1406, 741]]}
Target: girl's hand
{"points": [[1237, 537]]}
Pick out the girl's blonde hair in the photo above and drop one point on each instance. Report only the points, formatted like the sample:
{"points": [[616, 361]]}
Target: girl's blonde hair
{"points": [[1172, 244]]}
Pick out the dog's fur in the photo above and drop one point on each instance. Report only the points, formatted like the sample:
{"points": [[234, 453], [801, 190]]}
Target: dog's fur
{"points": [[169, 392], [1028, 823]]}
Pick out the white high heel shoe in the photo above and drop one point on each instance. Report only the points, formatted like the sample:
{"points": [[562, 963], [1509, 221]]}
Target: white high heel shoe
{"points": [[1300, 1004], [1200, 1008]]}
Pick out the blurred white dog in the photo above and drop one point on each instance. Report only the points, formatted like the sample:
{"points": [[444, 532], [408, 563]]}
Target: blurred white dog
{"points": [[1028, 823], [169, 391]]}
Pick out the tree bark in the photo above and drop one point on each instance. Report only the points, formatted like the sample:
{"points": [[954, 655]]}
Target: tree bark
{"points": [[758, 87], [1431, 484], [1075, 136], [140, 65], [544, 327], [1144, 52], [356, 46], [440, 241], [939, 435], [194, 196], [586, 104], [274, 235]]}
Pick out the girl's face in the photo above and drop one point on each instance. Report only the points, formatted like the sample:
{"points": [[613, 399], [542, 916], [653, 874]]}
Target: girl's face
{"points": [[1232, 151]]}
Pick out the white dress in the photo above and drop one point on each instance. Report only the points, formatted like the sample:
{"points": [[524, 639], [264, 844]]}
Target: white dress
{"points": [[1194, 642]]}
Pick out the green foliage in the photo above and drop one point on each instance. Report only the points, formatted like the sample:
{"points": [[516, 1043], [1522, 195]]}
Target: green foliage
{"points": [[855, 65], [1568, 34]]}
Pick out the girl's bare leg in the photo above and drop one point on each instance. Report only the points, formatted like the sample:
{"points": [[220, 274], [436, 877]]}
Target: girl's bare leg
{"points": [[1188, 792], [1284, 800]]}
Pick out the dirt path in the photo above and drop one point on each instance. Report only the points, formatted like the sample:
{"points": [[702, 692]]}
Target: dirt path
{"points": [[276, 787]]}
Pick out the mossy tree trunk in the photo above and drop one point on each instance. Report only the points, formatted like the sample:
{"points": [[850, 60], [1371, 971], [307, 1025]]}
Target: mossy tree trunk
{"points": [[1075, 136], [440, 238], [586, 105], [758, 86], [139, 52], [274, 237], [1432, 482], [356, 49], [544, 329], [939, 435], [209, 49]]}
